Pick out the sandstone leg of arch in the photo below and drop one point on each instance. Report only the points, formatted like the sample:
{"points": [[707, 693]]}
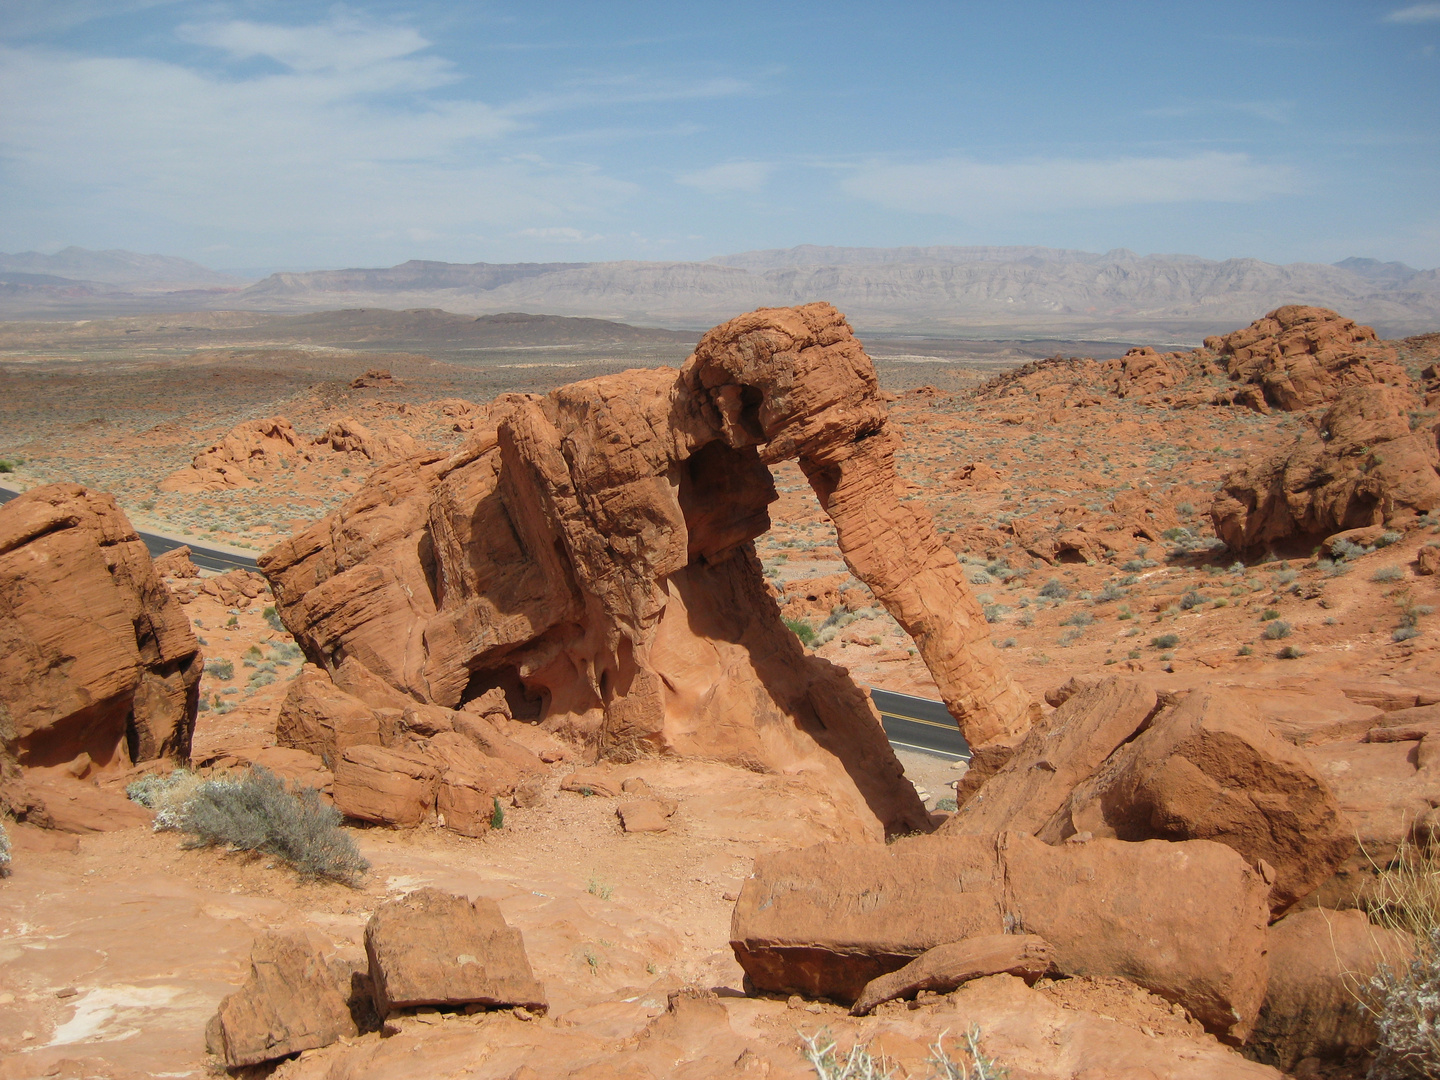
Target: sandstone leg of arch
{"points": [[796, 382]]}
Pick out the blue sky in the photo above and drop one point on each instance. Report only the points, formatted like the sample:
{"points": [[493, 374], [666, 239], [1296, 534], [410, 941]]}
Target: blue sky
{"points": [[264, 134]]}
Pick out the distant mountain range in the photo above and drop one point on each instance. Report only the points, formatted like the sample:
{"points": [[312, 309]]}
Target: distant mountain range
{"points": [[981, 292]]}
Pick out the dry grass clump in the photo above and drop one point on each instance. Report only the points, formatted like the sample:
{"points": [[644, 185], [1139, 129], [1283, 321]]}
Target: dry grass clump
{"points": [[1405, 1001], [823, 1053]]}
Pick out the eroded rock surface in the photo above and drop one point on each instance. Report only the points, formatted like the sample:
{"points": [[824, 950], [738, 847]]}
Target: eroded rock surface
{"points": [[249, 453], [1361, 466], [590, 554], [96, 656]]}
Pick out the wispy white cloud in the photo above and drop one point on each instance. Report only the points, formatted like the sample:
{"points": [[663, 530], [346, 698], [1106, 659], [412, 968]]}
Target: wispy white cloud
{"points": [[1415, 13], [1277, 112], [729, 178], [558, 234], [344, 138], [965, 188]]}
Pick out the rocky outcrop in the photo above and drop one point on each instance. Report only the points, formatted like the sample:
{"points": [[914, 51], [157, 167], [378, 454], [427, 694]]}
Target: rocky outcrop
{"points": [[249, 454], [348, 435], [590, 553], [431, 948], [1114, 760], [1185, 920], [1362, 466], [945, 967], [1303, 356], [1143, 372], [1321, 964], [96, 656], [399, 762], [291, 1002]]}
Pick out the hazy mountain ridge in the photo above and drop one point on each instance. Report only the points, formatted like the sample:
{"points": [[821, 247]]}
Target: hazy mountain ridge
{"points": [[940, 289], [114, 267], [966, 291]]}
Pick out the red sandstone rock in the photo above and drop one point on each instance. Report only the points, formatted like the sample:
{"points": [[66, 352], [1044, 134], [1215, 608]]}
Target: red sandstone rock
{"points": [[251, 452], [1362, 467], [319, 717], [376, 379], [1184, 920], [234, 588], [290, 1002], [591, 551], [945, 967], [1303, 356], [1320, 964], [1143, 372], [646, 815], [390, 787], [430, 948], [348, 434], [1208, 769], [96, 656], [176, 563]]}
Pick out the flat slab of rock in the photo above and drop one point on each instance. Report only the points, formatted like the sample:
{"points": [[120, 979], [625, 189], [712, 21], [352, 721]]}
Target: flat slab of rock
{"points": [[432, 948], [290, 1002], [592, 782], [945, 967], [646, 815]]}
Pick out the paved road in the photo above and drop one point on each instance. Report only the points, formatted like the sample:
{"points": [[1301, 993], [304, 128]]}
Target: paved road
{"points": [[204, 557], [914, 723], [917, 723]]}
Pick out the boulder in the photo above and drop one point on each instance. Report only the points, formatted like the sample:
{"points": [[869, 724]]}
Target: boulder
{"points": [[176, 563], [349, 435], [431, 948], [1185, 920], [1143, 372], [1207, 769], [596, 781], [470, 782], [53, 800], [386, 786], [249, 454], [591, 553], [1302, 356], [96, 656], [320, 718], [646, 815], [1321, 963], [1055, 757], [945, 967], [1361, 467], [290, 1002], [234, 588]]}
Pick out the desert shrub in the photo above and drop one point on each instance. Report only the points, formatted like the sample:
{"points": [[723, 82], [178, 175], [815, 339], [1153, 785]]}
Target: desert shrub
{"points": [[1389, 537], [946, 804], [1054, 589], [9, 465], [1246, 650], [4, 851], [1290, 652], [1008, 643], [802, 630], [1269, 614], [1276, 630], [1345, 550], [1191, 599], [256, 813], [979, 577], [1079, 618], [1404, 999], [1134, 566], [1404, 633], [1387, 573], [1237, 568], [1185, 508], [272, 618], [220, 669], [981, 1067], [1165, 641], [994, 612], [167, 795], [821, 1051], [497, 815], [1110, 592]]}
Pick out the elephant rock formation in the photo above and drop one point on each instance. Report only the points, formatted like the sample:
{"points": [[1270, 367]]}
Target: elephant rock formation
{"points": [[590, 553]]}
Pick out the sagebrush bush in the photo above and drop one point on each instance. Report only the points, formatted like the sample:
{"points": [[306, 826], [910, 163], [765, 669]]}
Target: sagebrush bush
{"points": [[1387, 573], [256, 813], [802, 630], [4, 851], [1404, 999], [167, 795], [220, 669], [1276, 630], [1054, 589], [1165, 641]]}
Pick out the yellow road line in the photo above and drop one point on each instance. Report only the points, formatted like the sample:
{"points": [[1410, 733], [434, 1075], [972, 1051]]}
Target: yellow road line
{"points": [[917, 720]]}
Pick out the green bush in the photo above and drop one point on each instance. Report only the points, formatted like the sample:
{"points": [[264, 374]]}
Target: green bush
{"points": [[220, 669], [1165, 641], [1387, 573], [4, 851], [802, 630], [1276, 630], [256, 813], [1054, 589], [272, 617]]}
